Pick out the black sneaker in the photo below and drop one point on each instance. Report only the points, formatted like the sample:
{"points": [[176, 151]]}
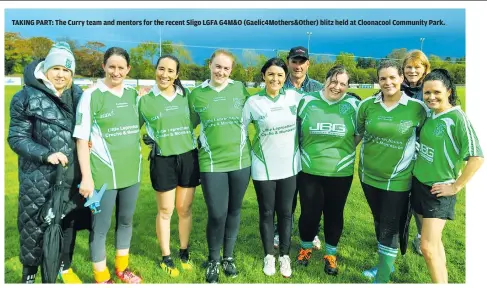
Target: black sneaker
{"points": [[229, 267], [168, 266], [212, 271]]}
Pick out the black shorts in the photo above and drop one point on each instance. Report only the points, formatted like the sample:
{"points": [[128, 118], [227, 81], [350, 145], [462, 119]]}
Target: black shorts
{"points": [[427, 204], [168, 172]]}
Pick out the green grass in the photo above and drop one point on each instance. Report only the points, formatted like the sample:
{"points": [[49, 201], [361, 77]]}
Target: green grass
{"points": [[357, 248]]}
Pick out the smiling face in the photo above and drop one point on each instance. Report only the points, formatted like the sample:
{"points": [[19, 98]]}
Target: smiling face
{"points": [[436, 95], [166, 73], [220, 69], [116, 69], [298, 67], [390, 81], [274, 78], [60, 77], [336, 86], [414, 72]]}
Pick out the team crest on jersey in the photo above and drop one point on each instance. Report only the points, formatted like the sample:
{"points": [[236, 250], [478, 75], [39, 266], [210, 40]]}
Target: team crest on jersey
{"points": [[404, 126], [344, 108], [293, 109], [238, 103], [440, 128]]}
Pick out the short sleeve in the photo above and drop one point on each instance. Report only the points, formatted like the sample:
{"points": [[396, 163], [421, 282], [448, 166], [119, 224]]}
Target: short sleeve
{"points": [[470, 146], [82, 129]]}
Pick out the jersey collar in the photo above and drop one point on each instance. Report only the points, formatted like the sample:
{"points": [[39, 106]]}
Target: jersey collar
{"points": [[434, 116], [157, 92], [331, 102], [104, 88], [207, 84], [403, 101], [263, 92]]}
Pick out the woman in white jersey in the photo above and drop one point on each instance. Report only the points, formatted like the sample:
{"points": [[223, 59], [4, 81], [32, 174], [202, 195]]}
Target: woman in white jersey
{"points": [[107, 117], [447, 140], [388, 122], [224, 159], [174, 170], [275, 160]]}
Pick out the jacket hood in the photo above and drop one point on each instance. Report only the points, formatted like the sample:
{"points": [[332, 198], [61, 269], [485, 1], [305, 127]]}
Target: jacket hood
{"points": [[410, 91], [31, 80]]}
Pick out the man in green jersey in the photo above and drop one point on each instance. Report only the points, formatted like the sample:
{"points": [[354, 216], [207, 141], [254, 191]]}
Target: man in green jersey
{"points": [[107, 117], [327, 121], [447, 139], [224, 159], [174, 169], [388, 123]]}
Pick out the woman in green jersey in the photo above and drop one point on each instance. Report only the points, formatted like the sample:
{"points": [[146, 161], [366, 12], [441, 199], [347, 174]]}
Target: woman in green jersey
{"points": [[415, 66], [447, 140], [107, 117], [388, 123], [224, 158], [327, 137], [174, 170]]}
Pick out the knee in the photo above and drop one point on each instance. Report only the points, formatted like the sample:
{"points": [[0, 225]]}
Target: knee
{"points": [[184, 211], [428, 248], [166, 212], [217, 219]]}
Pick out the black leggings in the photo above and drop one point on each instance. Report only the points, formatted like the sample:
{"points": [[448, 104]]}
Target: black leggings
{"points": [[387, 208], [76, 220], [322, 195], [275, 195], [223, 192]]}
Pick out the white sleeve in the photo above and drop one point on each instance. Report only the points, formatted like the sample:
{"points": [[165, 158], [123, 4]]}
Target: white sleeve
{"points": [[82, 129], [246, 113]]}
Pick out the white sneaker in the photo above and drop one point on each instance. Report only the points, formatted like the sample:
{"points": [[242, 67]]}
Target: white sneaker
{"points": [[276, 241], [285, 266], [316, 243], [269, 265]]}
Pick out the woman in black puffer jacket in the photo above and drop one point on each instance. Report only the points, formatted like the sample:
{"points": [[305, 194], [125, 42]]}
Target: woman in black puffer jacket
{"points": [[42, 120]]}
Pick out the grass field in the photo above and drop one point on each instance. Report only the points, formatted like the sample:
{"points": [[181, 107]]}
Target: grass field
{"points": [[357, 248]]}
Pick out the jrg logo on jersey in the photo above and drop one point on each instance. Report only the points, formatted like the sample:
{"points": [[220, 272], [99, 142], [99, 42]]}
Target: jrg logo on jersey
{"points": [[426, 152], [328, 129]]}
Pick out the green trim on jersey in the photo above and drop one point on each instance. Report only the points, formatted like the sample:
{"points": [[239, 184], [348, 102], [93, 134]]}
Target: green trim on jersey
{"points": [[275, 147], [111, 123], [389, 138], [168, 122], [224, 141], [326, 134], [447, 140]]}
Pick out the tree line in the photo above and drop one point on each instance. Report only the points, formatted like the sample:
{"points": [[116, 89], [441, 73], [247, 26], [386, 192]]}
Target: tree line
{"points": [[21, 51]]}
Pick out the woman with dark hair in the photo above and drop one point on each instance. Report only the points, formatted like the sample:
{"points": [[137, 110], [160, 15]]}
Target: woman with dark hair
{"points": [[42, 119], [174, 170], [107, 117], [447, 140], [388, 122], [415, 67], [275, 160], [224, 159], [328, 137]]}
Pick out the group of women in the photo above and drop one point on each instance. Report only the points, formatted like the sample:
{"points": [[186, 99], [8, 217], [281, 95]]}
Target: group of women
{"points": [[303, 140]]}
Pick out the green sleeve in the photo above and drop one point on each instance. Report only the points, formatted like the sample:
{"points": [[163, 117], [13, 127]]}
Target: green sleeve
{"points": [[361, 117], [469, 143], [195, 118]]}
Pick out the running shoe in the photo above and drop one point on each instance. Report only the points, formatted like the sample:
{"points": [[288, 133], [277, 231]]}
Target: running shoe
{"points": [[127, 276], [229, 267], [370, 273], [186, 262], [269, 265], [303, 256], [417, 245], [330, 264], [167, 265], [69, 277], [212, 271], [285, 266]]}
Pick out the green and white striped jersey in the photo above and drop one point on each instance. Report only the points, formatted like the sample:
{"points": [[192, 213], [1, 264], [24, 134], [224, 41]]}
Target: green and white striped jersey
{"points": [[111, 122], [223, 137], [389, 138], [327, 131], [447, 139], [275, 153], [167, 121]]}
